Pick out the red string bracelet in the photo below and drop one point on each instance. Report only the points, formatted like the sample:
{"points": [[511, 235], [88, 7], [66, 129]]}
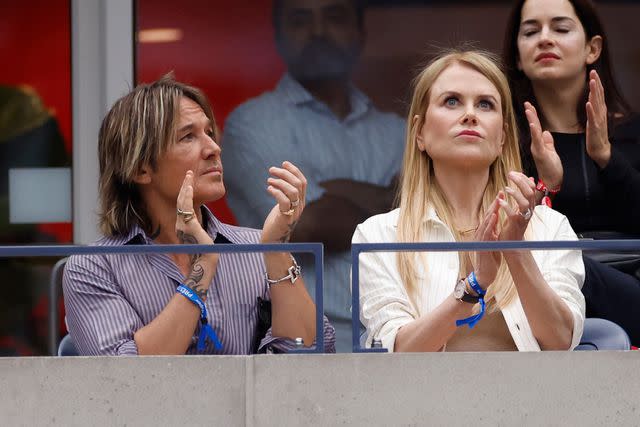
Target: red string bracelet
{"points": [[546, 200]]}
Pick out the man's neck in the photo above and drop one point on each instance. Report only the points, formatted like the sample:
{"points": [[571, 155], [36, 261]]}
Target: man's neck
{"points": [[334, 93], [163, 220], [559, 102]]}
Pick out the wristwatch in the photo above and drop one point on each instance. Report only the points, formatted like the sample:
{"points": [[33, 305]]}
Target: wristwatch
{"points": [[460, 293]]}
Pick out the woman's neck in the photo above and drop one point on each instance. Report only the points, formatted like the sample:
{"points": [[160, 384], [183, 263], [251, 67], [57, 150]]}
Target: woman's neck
{"points": [[463, 190], [558, 102]]}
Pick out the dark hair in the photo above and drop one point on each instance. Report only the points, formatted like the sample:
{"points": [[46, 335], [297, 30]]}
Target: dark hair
{"points": [[521, 85], [276, 13]]}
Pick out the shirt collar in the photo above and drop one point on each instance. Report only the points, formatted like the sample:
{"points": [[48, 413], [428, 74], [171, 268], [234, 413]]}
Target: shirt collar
{"points": [[298, 95], [214, 227]]}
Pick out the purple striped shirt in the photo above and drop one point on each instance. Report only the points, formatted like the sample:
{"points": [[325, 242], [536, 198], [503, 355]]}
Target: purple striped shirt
{"points": [[109, 297]]}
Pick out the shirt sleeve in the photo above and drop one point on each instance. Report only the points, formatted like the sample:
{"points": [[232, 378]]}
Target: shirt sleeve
{"points": [[100, 319], [564, 271], [283, 345], [249, 149], [384, 304]]}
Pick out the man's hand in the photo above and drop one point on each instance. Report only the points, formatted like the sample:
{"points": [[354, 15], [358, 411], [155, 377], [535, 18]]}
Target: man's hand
{"points": [[288, 187]]}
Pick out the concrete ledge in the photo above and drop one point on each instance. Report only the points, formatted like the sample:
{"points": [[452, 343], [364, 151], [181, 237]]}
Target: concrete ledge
{"points": [[557, 388]]}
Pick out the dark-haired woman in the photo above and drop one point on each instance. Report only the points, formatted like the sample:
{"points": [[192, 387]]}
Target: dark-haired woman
{"points": [[579, 137]]}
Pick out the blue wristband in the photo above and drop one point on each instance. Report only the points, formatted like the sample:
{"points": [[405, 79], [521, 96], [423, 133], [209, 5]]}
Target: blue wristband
{"points": [[472, 320], [205, 328], [473, 282]]}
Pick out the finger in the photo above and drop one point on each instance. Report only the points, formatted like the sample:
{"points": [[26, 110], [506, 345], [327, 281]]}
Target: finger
{"points": [[521, 202], [493, 208], [292, 193], [599, 87], [594, 99], [525, 185], [508, 210], [288, 177], [182, 195], [490, 231], [296, 171], [547, 140], [284, 204]]}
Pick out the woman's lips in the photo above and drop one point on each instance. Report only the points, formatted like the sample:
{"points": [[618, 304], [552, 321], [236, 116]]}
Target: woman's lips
{"points": [[547, 56]]}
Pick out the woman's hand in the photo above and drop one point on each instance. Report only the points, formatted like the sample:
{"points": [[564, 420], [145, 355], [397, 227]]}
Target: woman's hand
{"points": [[597, 138], [288, 187], [188, 228], [523, 194], [486, 263], [543, 150]]}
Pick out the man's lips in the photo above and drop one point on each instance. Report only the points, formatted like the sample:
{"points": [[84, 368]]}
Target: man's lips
{"points": [[212, 170], [469, 132], [546, 55]]}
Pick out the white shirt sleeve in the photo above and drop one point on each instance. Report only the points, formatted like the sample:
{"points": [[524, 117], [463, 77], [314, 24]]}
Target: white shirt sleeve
{"points": [[384, 303], [564, 269]]}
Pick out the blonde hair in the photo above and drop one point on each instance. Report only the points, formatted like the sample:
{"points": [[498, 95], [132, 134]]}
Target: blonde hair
{"points": [[138, 129], [419, 189]]}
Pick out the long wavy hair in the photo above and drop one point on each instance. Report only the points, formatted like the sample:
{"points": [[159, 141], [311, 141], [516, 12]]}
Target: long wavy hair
{"points": [[419, 190]]}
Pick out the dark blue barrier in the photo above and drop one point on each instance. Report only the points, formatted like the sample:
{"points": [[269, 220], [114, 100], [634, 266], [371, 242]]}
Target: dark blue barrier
{"points": [[317, 249], [357, 249]]}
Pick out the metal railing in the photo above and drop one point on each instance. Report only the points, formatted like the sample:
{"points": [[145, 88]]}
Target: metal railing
{"points": [[358, 248], [317, 249]]}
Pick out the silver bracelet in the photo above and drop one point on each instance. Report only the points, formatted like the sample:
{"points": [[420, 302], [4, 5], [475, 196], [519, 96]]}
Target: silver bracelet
{"points": [[294, 272]]}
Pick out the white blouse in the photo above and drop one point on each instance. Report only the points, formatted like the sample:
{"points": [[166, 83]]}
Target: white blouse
{"points": [[385, 305]]}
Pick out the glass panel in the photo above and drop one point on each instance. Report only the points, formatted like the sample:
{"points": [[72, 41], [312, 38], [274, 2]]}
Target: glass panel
{"points": [[35, 132]]}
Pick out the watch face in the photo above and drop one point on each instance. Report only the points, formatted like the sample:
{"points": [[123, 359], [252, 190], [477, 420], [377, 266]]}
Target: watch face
{"points": [[458, 291]]}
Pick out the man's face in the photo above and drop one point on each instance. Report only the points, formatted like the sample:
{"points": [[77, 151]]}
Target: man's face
{"points": [[319, 39]]}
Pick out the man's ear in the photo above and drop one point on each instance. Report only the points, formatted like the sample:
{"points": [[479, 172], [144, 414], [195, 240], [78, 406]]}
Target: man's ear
{"points": [[143, 176], [417, 124], [594, 47]]}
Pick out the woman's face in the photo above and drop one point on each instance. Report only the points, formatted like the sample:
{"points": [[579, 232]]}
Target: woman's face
{"points": [[463, 125], [552, 42]]}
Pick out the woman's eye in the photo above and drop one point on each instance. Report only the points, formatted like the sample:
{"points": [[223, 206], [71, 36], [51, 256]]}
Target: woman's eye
{"points": [[562, 30], [451, 102], [486, 105], [187, 137]]}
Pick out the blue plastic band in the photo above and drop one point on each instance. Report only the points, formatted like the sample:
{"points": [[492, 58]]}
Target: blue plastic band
{"points": [[473, 282], [205, 328], [472, 320]]}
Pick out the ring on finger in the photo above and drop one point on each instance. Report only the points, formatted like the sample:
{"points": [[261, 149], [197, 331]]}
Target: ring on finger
{"points": [[289, 212], [186, 215], [526, 215], [295, 203]]}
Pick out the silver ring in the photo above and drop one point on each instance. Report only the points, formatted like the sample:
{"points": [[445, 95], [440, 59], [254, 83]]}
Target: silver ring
{"points": [[186, 215], [288, 213], [526, 215], [295, 203]]}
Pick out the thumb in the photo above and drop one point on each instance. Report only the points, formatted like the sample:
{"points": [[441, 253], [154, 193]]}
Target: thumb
{"points": [[547, 139]]}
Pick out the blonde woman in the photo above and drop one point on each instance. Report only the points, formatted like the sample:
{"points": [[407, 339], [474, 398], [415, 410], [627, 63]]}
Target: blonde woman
{"points": [[462, 181]]}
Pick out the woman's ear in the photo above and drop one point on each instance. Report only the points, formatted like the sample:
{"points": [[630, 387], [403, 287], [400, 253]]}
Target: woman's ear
{"points": [[143, 176], [417, 125], [594, 49]]}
